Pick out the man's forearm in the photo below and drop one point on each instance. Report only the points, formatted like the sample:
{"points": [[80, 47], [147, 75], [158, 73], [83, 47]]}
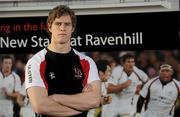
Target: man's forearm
{"points": [[12, 95], [89, 98], [60, 110], [119, 87], [114, 88], [82, 101], [52, 108], [43, 104], [140, 104]]}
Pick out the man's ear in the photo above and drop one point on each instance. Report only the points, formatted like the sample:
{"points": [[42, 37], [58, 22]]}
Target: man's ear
{"points": [[73, 29]]}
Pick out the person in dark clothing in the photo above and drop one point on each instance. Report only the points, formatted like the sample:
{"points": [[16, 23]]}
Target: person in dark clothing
{"points": [[57, 76]]}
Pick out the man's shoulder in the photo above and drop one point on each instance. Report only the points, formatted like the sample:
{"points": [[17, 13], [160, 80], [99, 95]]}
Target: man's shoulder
{"points": [[118, 69], [154, 79], [136, 69], [177, 82], [38, 57], [82, 55], [15, 75]]}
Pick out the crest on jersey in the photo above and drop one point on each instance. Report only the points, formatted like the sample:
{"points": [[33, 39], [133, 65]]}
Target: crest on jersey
{"points": [[52, 75], [77, 73]]}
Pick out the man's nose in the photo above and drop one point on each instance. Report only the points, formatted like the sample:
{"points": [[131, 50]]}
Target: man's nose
{"points": [[62, 27]]}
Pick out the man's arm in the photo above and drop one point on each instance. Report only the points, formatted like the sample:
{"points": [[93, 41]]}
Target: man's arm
{"points": [[9, 95], [42, 104], [20, 99], [119, 87], [82, 101], [140, 104]]}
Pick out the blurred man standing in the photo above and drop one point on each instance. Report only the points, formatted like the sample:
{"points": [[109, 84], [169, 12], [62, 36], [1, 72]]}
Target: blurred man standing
{"points": [[10, 85], [160, 94], [104, 71], [125, 84]]}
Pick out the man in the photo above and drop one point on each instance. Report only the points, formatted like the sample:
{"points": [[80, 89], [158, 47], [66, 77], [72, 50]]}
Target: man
{"points": [[57, 75], [104, 71], [160, 93], [125, 84], [10, 85]]}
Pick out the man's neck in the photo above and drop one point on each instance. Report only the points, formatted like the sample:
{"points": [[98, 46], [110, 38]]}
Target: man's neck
{"points": [[6, 73], [59, 48], [128, 72], [165, 82]]}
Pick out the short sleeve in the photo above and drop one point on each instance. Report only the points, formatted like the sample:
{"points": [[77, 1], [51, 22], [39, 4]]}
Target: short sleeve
{"points": [[93, 72], [143, 76], [116, 75], [144, 90], [34, 72]]}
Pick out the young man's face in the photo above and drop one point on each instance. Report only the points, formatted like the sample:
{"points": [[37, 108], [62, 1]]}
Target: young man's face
{"points": [[165, 75], [105, 75], [129, 64], [7, 65], [61, 30]]}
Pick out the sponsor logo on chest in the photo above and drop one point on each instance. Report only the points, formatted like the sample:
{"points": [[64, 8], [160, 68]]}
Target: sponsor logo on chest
{"points": [[78, 73], [52, 75]]}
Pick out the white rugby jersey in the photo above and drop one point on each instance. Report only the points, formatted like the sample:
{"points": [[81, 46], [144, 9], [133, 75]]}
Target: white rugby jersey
{"points": [[162, 97], [125, 100], [11, 82], [119, 77]]}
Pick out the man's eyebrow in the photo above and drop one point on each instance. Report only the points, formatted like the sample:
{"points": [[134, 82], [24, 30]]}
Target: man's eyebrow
{"points": [[62, 22]]}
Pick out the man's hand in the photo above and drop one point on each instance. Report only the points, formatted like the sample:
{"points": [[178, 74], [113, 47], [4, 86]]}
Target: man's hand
{"points": [[4, 91], [138, 89], [126, 84], [137, 115], [106, 99]]}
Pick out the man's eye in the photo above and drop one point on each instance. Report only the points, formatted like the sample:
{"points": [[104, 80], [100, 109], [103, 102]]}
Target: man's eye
{"points": [[68, 24], [58, 24]]}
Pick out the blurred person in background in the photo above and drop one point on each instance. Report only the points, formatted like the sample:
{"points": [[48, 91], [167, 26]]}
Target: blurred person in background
{"points": [[152, 72], [142, 60], [160, 94], [124, 85], [10, 85], [22, 99], [104, 71]]}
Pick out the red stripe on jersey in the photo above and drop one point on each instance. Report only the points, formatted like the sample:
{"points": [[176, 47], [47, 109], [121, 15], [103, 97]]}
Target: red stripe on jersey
{"points": [[86, 67], [42, 72]]}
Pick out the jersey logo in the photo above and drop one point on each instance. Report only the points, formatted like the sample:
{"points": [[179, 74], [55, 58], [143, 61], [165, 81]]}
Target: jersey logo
{"points": [[52, 75], [77, 73], [29, 74]]}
